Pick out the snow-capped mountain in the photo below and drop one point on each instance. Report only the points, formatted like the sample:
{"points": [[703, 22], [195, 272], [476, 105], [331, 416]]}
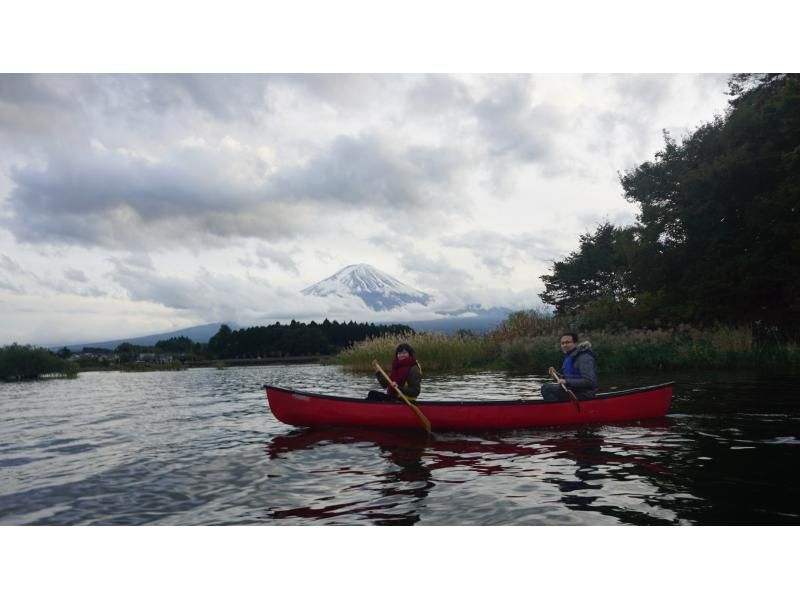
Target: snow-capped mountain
{"points": [[378, 290]]}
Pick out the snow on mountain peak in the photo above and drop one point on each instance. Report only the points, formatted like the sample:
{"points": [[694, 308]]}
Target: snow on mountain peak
{"points": [[377, 290]]}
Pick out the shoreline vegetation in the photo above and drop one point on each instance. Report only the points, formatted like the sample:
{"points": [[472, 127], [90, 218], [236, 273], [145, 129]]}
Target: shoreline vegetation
{"points": [[528, 342], [23, 362]]}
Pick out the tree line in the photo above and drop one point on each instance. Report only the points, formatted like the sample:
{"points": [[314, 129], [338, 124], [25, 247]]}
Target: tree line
{"points": [[275, 340], [295, 338], [24, 362], [717, 239]]}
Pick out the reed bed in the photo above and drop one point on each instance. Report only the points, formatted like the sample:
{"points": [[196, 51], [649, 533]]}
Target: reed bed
{"points": [[528, 342], [644, 350], [435, 351]]}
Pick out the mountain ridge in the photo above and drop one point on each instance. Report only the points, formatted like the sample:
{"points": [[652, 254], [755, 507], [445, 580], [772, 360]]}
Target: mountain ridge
{"points": [[379, 291], [197, 334], [478, 324]]}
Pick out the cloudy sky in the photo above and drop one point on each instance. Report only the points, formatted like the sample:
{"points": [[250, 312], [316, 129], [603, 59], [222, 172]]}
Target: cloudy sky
{"points": [[133, 204]]}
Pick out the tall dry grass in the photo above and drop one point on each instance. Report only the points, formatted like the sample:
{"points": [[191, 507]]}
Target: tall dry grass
{"points": [[434, 351], [528, 341]]}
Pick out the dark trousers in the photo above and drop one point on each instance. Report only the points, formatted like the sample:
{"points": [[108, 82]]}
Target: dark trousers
{"points": [[376, 395], [553, 392]]}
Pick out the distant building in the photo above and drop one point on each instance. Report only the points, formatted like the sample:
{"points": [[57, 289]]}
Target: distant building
{"points": [[154, 358], [99, 357]]}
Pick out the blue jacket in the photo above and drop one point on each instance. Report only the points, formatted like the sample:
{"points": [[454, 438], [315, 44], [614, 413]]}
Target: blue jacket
{"points": [[580, 370]]}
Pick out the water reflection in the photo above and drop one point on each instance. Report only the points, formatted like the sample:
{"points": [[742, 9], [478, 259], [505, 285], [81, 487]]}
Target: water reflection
{"points": [[200, 447], [614, 476], [579, 471], [405, 485]]}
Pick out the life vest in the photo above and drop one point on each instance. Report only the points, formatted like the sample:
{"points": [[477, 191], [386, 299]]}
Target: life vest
{"points": [[568, 367]]}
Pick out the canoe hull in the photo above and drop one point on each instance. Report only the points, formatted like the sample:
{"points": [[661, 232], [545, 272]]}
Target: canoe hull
{"points": [[314, 410]]}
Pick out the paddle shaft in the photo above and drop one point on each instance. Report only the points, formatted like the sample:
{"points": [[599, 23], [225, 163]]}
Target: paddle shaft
{"points": [[554, 374], [424, 420]]}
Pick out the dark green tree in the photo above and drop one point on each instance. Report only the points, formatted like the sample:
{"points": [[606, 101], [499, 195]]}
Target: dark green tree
{"points": [[24, 362], [177, 344], [219, 345], [717, 238], [294, 339], [599, 272], [719, 227]]}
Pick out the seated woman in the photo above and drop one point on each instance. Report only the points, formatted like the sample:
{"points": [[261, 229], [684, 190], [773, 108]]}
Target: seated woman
{"points": [[405, 374]]}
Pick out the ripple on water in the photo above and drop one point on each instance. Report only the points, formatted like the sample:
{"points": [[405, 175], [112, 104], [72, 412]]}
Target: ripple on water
{"points": [[200, 447]]}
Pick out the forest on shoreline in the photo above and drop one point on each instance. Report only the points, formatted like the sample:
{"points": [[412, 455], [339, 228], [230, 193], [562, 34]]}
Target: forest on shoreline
{"points": [[258, 344]]}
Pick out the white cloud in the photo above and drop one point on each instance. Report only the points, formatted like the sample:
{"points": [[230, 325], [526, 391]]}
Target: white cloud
{"points": [[195, 198]]}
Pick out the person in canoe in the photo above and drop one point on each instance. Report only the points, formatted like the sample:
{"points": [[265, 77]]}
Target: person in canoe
{"points": [[405, 375], [579, 371]]}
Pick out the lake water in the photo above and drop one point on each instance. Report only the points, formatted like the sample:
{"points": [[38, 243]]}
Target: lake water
{"points": [[200, 446]]}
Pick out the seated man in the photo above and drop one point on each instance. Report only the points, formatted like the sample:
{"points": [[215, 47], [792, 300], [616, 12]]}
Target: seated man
{"points": [[579, 371]]}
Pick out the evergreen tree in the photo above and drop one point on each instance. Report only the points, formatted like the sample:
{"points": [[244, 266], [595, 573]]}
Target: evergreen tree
{"points": [[717, 239]]}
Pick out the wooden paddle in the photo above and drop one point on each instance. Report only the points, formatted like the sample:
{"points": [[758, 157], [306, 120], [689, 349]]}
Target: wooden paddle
{"points": [[424, 420], [554, 374]]}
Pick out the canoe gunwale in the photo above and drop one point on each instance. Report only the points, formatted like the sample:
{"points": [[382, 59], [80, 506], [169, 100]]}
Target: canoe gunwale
{"points": [[444, 403]]}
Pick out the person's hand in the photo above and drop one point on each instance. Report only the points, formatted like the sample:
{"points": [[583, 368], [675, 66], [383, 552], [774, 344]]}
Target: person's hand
{"points": [[394, 385], [375, 364]]}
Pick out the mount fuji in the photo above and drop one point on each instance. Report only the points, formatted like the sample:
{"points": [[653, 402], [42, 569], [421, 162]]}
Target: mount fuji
{"points": [[378, 290]]}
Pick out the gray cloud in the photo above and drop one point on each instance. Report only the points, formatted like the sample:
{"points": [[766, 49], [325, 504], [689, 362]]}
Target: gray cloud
{"points": [[142, 186], [93, 196], [6, 284], [45, 282], [371, 172], [104, 198], [34, 106], [626, 128], [435, 273], [638, 92], [437, 96], [148, 285], [134, 259], [221, 96], [9, 265], [75, 275], [12, 268], [274, 256], [494, 249], [347, 92], [513, 125], [455, 288]]}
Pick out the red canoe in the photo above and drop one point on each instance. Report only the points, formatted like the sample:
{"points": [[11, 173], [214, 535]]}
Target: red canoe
{"points": [[311, 409]]}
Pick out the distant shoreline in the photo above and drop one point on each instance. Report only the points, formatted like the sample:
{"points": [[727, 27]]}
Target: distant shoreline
{"points": [[213, 363], [254, 361]]}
